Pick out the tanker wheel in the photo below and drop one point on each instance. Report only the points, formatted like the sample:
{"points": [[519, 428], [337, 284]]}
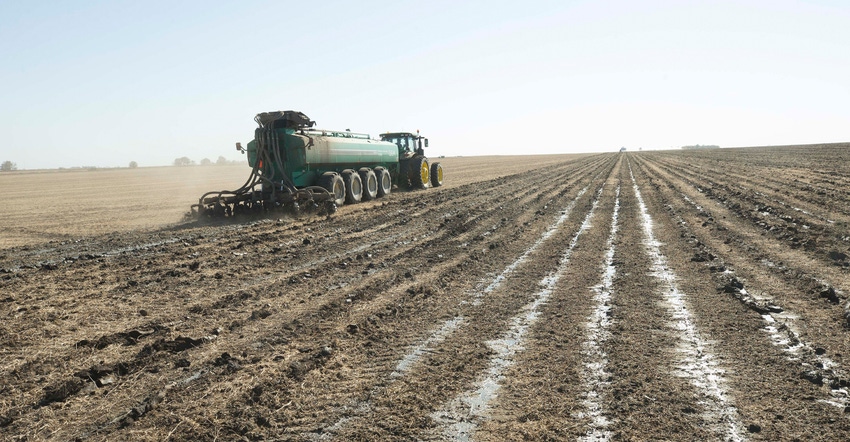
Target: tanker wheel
{"points": [[370, 183], [420, 174], [436, 175], [385, 181], [353, 186], [333, 183]]}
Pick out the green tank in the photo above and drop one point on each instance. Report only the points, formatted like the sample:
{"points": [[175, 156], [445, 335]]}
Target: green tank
{"points": [[295, 166], [306, 154]]}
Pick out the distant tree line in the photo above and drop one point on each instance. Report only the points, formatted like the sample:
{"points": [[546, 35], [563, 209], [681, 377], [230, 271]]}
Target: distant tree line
{"points": [[702, 146], [8, 166], [183, 161]]}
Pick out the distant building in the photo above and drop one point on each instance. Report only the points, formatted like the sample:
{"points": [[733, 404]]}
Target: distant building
{"points": [[622, 149]]}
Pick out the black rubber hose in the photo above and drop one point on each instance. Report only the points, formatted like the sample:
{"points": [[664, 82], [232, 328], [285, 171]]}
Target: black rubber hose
{"points": [[280, 161]]}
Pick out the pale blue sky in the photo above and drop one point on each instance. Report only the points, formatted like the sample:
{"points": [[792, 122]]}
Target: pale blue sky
{"points": [[101, 83]]}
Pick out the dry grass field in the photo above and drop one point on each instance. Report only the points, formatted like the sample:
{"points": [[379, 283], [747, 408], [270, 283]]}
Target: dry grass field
{"points": [[680, 295], [62, 205], [70, 204]]}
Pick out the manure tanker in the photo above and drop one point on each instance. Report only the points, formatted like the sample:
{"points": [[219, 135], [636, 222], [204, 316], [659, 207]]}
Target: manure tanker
{"points": [[296, 168]]}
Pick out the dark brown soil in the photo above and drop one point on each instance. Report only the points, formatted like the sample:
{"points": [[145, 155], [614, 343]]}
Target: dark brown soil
{"points": [[461, 312]]}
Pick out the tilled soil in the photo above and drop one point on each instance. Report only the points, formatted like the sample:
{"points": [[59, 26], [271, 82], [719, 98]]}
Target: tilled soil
{"points": [[651, 296]]}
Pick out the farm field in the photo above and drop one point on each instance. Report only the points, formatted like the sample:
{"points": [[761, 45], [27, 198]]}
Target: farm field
{"points": [[678, 295], [63, 205]]}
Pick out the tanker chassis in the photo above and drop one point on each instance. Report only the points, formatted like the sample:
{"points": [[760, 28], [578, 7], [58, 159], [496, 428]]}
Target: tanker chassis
{"points": [[296, 168]]}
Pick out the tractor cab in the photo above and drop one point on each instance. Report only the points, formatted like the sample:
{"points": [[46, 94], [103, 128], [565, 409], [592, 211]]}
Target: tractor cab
{"points": [[409, 144], [415, 171]]}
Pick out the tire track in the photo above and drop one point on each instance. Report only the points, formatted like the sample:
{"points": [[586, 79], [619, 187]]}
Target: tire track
{"points": [[598, 332], [447, 328], [698, 364], [542, 393], [408, 400], [784, 347], [795, 266], [458, 419]]}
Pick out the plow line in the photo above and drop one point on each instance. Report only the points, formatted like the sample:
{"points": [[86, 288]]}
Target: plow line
{"points": [[448, 327], [698, 365], [780, 326], [458, 419], [598, 332]]}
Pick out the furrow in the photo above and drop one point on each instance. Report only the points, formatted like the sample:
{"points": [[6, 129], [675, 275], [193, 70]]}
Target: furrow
{"points": [[698, 363], [458, 418]]}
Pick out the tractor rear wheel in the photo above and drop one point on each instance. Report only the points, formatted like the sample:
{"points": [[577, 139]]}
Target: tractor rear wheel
{"points": [[333, 183], [436, 175], [385, 181], [353, 186], [370, 183], [420, 173]]}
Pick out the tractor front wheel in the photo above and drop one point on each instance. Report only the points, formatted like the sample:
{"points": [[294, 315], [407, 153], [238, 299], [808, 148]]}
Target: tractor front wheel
{"points": [[436, 175]]}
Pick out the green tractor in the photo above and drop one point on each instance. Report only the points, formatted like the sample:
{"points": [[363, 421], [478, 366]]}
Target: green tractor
{"points": [[414, 168]]}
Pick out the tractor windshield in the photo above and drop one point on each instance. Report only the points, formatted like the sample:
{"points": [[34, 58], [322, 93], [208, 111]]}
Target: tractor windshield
{"points": [[405, 142]]}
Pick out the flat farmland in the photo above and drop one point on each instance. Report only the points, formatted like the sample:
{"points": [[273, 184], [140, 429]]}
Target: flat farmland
{"points": [[679, 295], [62, 205]]}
